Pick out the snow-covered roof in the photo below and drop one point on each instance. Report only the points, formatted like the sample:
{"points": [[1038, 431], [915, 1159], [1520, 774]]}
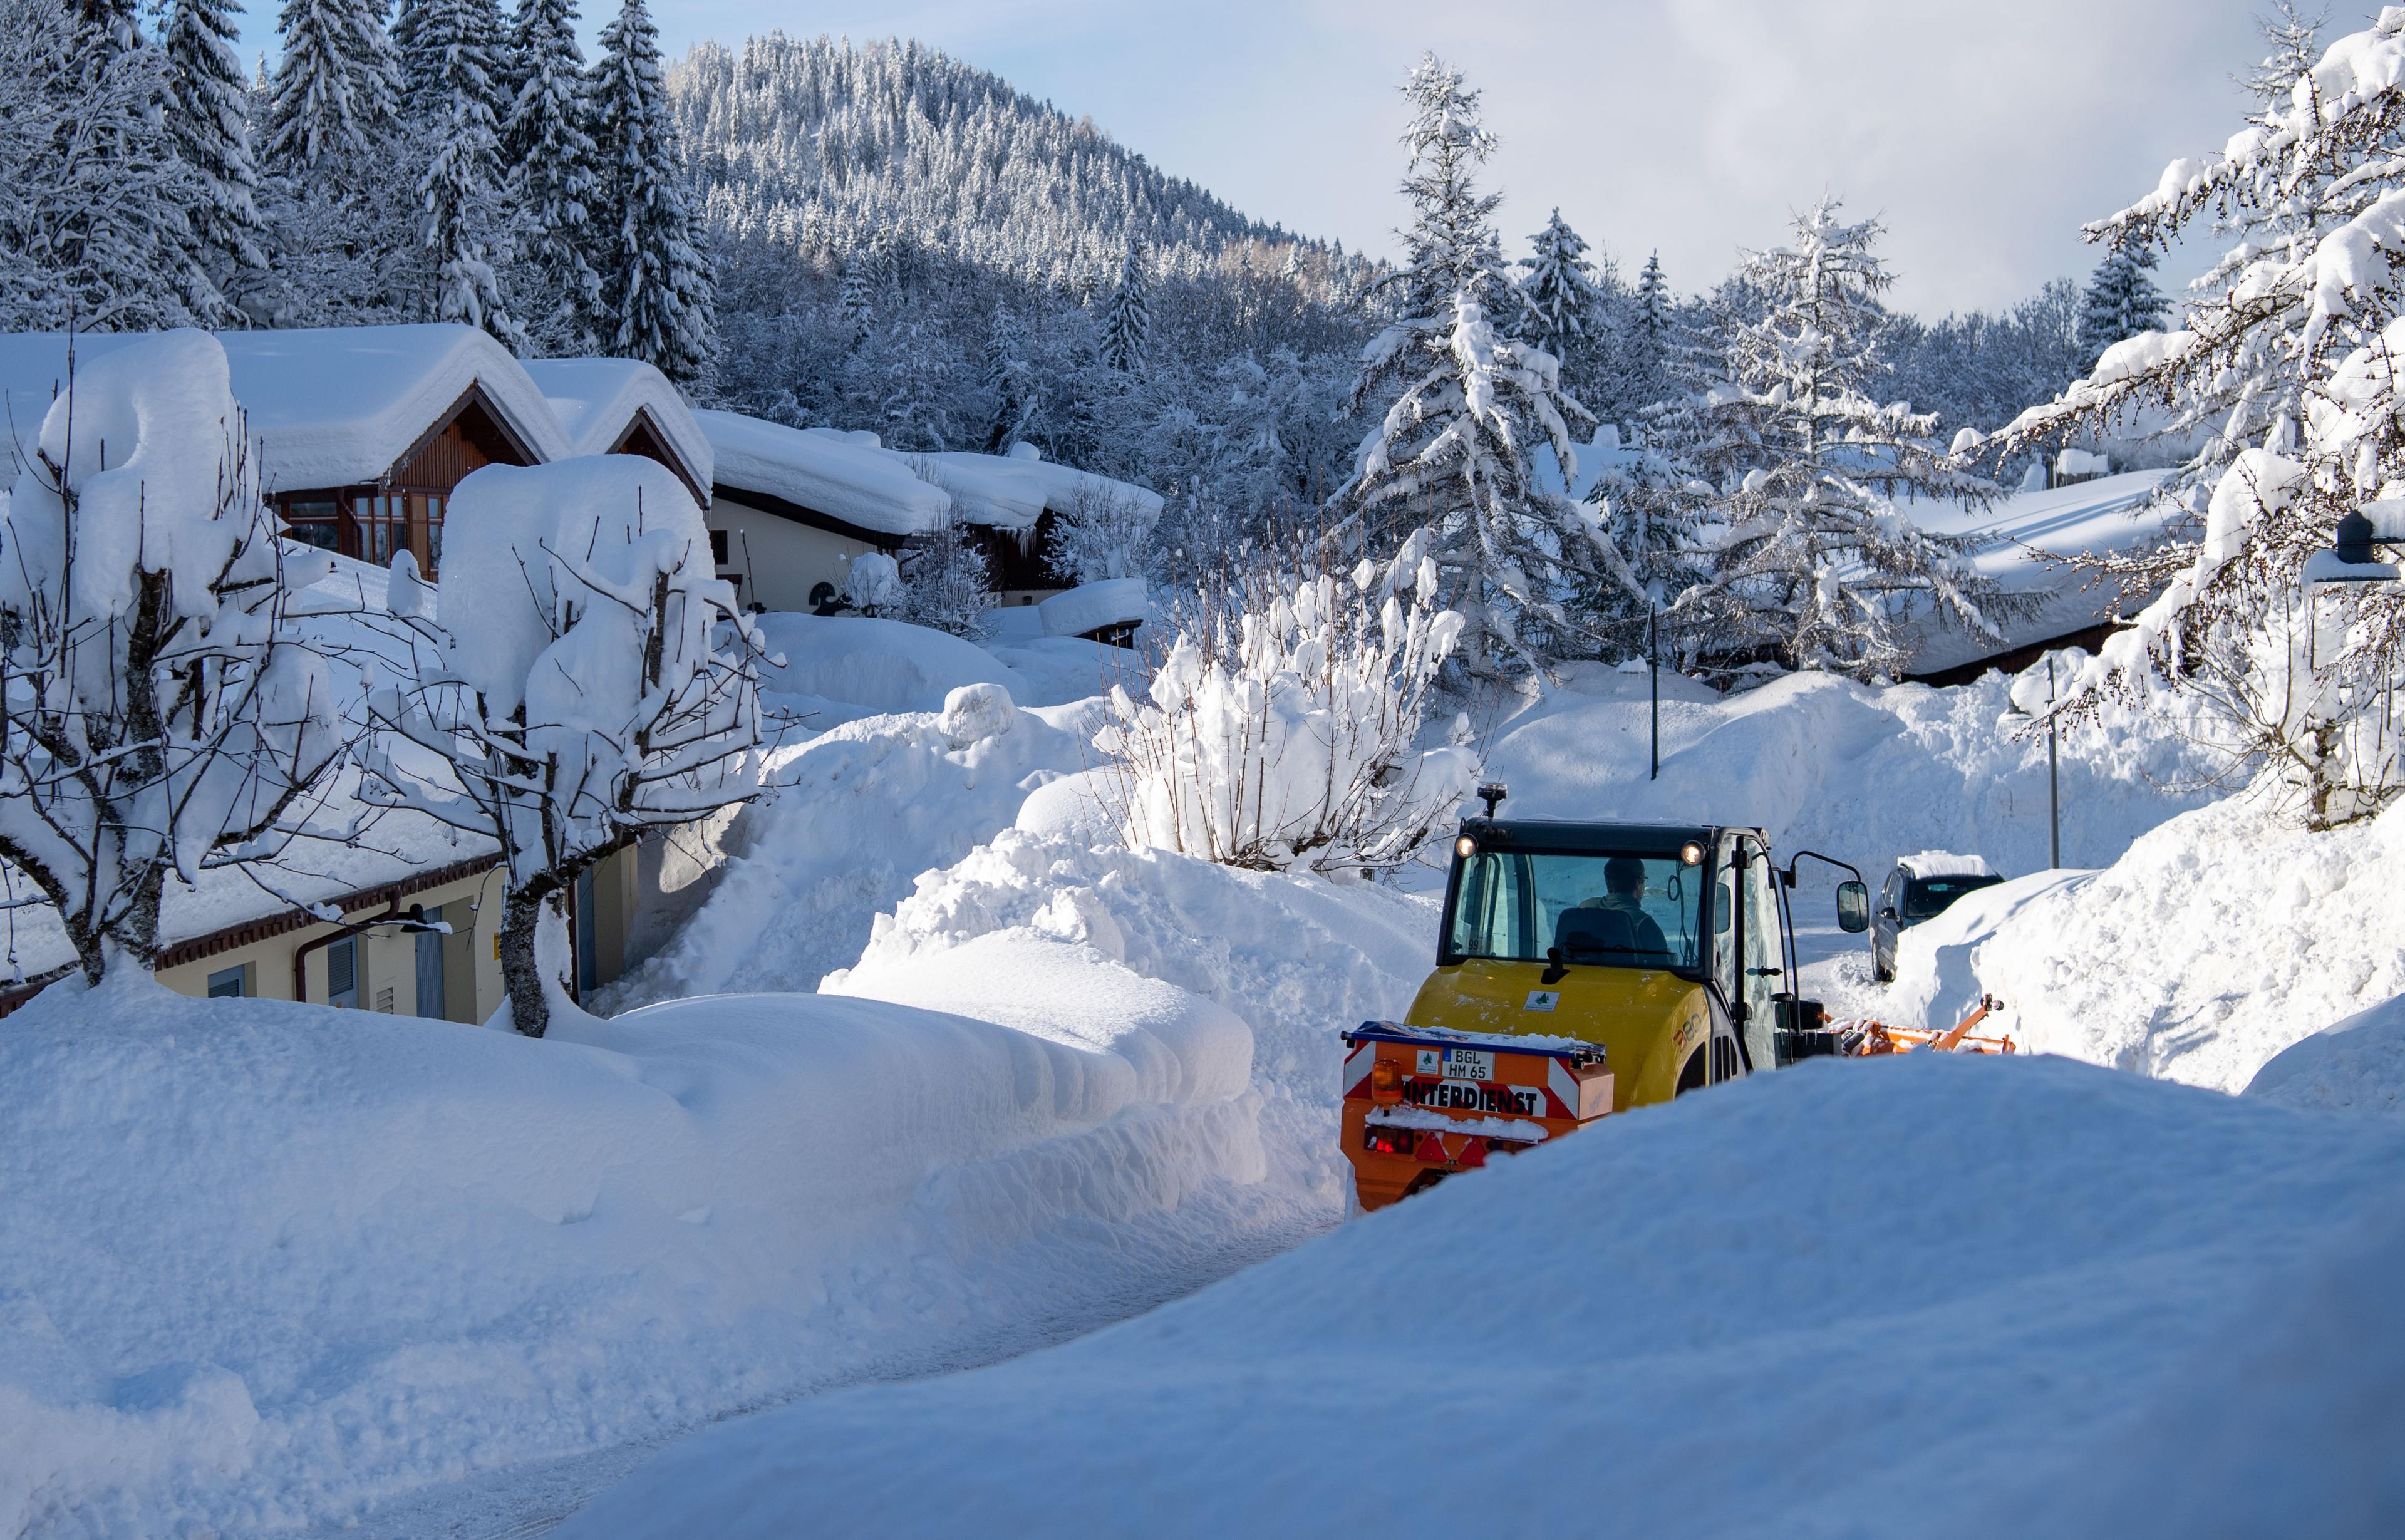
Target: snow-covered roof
{"points": [[1012, 491], [2108, 514], [333, 406], [849, 476], [597, 400], [1945, 863], [825, 472]]}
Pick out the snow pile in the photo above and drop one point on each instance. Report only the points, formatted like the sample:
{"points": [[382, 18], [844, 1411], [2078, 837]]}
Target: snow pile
{"points": [[1297, 956], [1863, 773], [1870, 1346], [2220, 939], [859, 812], [837, 661], [266, 1263], [2356, 1065], [1090, 607]]}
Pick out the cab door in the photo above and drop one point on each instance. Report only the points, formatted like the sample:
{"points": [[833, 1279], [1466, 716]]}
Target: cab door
{"points": [[1763, 954]]}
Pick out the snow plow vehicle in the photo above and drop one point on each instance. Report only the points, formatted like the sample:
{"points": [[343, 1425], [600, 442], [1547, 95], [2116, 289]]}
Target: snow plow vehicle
{"points": [[1584, 968]]}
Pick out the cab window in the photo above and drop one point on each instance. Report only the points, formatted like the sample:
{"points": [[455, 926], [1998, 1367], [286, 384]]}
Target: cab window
{"points": [[1764, 954], [1603, 909]]}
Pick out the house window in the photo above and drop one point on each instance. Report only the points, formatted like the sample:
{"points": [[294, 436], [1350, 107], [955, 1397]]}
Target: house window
{"points": [[318, 524], [429, 971], [343, 973], [718, 546], [229, 983]]}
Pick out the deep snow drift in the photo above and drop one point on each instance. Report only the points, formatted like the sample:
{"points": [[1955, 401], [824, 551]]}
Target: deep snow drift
{"points": [[2219, 939], [264, 1263], [1917, 1296], [1863, 773]]}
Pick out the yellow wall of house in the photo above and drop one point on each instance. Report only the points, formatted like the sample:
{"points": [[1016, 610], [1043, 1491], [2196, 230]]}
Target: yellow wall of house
{"points": [[387, 959], [779, 560]]}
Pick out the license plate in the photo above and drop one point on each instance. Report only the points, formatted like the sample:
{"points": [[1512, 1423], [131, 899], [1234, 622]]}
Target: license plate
{"points": [[1469, 1064]]}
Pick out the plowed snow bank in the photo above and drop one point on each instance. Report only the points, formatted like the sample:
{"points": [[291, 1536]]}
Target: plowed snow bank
{"points": [[1903, 1298], [261, 1262]]}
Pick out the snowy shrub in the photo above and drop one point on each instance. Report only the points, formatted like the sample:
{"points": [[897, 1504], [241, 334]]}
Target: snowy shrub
{"points": [[945, 583], [1281, 729], [1099, 534], [589, 678], [874, 585], [159, 716]]}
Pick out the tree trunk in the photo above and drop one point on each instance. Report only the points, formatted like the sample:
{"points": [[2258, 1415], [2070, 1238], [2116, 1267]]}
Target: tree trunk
{"points": [[521, 916]]}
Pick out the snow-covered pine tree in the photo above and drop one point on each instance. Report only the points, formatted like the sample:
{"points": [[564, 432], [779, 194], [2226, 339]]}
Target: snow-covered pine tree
{"points": [[450, 53], [1126, 324], [856, 295], [336, 93], [1459, 408], [2121, 301], [1815, 565], [555, 173], [1566, 312], [209, 114], [655, 279], [1010, 382], [1650, 340], [2289, 348], [95, 202]]}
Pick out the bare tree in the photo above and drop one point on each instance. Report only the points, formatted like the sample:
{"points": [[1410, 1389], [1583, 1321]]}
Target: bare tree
{"points": [[158, 714], [584, 677]]}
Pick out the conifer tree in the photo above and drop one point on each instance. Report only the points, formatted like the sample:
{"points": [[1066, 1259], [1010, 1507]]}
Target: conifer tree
{"points": [[655, 279], [555, 176], [1128, 323], [2121, 301], [856, 295], [1652, 338], [1813, 561], [1564, 302], [451, 50], [336, 91], [1460, 407], [95, 200], [209, 114], [1010, 382]]}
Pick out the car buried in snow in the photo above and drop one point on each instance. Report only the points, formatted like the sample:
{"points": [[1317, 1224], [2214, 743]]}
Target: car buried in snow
{"points": [[1921, 887]]}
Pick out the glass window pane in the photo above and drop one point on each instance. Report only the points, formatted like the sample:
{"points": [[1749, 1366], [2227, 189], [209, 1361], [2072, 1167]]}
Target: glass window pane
{"points": [[1600, 909]]}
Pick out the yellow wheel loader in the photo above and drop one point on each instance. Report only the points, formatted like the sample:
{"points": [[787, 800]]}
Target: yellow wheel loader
{"points": [[1584, 968]]}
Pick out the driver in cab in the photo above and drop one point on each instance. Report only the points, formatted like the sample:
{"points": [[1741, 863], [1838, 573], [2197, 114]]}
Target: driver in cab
{"points": [[1624, 894]]}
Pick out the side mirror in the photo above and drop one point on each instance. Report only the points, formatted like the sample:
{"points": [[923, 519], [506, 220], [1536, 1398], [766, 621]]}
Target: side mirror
{"points": [[1853, 907]]}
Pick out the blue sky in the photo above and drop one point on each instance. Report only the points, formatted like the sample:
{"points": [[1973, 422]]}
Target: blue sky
{"points": [[1983, 134]]}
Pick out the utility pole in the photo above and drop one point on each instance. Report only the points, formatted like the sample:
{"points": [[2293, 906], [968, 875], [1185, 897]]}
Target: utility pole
{"points": [[1653, 650], [2053, 793]]}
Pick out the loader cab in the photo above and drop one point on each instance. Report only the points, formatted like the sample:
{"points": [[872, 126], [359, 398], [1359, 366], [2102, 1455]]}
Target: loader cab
{"points": [[1668, 945]]}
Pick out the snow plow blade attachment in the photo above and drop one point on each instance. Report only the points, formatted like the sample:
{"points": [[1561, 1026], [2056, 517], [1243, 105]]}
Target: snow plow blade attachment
{"points": [[1867, 1039], [1422, 1102]]}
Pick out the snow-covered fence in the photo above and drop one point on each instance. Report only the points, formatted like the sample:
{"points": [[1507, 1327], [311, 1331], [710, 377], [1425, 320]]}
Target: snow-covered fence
{"points": [[1281, 729], [158, 714], [587, 677]]}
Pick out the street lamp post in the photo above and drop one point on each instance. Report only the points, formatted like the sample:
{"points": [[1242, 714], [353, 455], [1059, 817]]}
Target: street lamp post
{"points": [[2053, 791], [1653, 656]]}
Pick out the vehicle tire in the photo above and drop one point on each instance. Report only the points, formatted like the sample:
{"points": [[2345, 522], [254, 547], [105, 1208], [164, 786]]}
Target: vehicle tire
{"points": [[1690, 1075], [1880, 971]]}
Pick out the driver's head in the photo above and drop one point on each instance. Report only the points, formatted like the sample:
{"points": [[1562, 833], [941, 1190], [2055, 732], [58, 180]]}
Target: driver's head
{"points": [[1624, 877]]}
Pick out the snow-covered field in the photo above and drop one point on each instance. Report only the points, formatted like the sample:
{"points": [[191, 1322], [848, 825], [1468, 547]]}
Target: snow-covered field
{"points": [[268, 1267]]}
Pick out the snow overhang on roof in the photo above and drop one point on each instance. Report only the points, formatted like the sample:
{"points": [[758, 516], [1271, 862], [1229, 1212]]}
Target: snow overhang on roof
{"points": [[828, 473], [334, 406], [599, 401], [1012, 492]]}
